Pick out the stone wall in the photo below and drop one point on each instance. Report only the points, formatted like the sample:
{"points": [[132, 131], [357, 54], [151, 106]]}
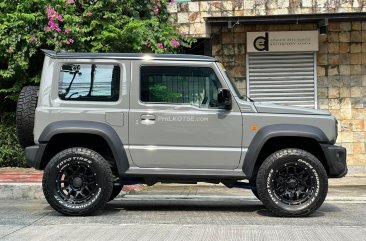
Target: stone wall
{"points": [[341, 73], [342, 84], [190, 15], [341, 66]]}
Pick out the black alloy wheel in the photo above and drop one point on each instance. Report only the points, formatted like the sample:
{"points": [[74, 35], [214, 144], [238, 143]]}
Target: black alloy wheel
{"points": [[292, 183], [77, 181]]}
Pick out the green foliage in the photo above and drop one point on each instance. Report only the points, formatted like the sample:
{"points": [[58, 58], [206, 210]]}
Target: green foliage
{"points": [[77, 25], [160, 93], [11, 154], [27, 26]]}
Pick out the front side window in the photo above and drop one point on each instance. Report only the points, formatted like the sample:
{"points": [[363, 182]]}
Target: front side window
{"points": [[89, 82], [197, 86]]}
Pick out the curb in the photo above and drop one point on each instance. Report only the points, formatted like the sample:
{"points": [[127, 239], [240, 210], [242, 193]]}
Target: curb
{"points": [[33, 191], [12, 191], [17, 184]]}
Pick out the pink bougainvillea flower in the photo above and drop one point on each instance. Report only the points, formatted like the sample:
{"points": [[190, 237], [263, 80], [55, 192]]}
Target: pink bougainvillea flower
{"points": [[32, 39], [67, 31], [69, 41], [54, 17], [70, 2], [156, 10], [160, 45], [52, 14], [175, 43]]}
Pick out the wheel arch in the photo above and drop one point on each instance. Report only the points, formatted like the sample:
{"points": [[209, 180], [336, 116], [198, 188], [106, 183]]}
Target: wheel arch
{"points": [[269, 139], [85, 132]]}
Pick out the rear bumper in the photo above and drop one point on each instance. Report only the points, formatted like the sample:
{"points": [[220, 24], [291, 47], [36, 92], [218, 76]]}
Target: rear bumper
{"points": [[336, 160], [34, 154]]}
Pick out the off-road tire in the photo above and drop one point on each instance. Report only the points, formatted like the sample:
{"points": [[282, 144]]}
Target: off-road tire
{"points": [[116, 190], [305, 174], [26, 107], [98, 176]]}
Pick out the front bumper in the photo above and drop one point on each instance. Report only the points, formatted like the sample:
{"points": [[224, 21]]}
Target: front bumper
{"points": [[34, 154], [336, 160]]}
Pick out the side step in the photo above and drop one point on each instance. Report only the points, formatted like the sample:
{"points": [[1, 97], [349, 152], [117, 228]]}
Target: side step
{"points": [[229, 184]]}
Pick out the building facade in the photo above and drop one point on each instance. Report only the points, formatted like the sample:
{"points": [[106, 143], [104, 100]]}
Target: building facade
{"points": [[309, 53]]}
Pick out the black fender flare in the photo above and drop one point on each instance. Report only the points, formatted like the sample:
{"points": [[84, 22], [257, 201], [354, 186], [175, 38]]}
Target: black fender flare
{"points": [[90, 127], [278, 130]]}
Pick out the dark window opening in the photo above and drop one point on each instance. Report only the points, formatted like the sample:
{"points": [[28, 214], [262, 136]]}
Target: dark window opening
{"points": [[201, 47]]}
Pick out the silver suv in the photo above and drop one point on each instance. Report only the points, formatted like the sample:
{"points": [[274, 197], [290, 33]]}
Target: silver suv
{"points": [[103, 120]]}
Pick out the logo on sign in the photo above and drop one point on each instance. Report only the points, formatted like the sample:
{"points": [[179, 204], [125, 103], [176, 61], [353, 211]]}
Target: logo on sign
{"points": [[261, 43]]}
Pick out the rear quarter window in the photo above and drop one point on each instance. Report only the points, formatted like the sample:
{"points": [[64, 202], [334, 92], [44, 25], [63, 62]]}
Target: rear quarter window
{"points": [[89, 82]]}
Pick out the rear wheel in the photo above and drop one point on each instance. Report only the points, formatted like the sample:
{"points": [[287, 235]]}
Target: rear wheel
{"points": [[77, 181], [292, 183]]}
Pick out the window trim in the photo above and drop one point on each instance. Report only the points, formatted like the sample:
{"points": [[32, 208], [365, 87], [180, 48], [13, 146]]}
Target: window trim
{"points": [[58, 76], [172, 103]]}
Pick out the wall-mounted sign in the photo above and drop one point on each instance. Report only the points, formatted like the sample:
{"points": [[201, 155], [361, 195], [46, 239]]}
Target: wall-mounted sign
{"points": [[282, 41]]}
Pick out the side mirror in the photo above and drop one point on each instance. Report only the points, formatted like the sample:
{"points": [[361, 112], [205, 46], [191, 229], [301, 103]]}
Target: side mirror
{"points": [[224, 99]]}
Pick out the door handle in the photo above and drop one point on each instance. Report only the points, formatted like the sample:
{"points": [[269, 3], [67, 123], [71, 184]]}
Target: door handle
{"points": [[148, 117]]}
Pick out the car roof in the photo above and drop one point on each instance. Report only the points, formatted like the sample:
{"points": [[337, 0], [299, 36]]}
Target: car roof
{"points": [[132, 56]]}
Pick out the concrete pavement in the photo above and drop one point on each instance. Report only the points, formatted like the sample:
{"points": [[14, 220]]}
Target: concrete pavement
{"points": [[198, 218]]}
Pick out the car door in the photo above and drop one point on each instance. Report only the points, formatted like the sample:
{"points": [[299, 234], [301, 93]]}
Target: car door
{"points": [[174, 121]]}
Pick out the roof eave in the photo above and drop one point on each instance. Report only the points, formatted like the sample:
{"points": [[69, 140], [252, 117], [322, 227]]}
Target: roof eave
{"points": [[288, 18]]}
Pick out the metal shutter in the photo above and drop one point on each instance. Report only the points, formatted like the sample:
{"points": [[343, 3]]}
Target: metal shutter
{"points": [[282, 78]]}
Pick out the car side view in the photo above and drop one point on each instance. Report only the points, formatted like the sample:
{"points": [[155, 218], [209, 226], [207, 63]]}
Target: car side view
{"points": [[103, 120]]}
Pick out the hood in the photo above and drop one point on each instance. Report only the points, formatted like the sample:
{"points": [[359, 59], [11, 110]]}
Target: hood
{"points": [[283, 109]]}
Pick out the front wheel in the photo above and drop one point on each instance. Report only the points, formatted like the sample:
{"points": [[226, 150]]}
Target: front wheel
{"points": [[77, 181], [292, 183]]}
